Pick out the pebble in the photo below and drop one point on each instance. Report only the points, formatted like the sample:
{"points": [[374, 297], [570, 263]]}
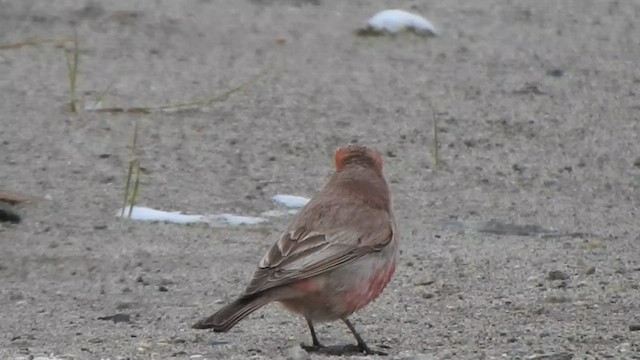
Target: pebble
{"points": [[498, 227], [559, 284], [427, 295], [634, 327], [557, 299], [143, 346], [424, 281], [551, 356], [297, 353], [117, 318], [555, 72], [624, 347], [7, 214], [557, 275]]}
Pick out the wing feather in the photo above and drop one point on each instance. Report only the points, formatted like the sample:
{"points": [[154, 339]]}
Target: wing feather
{"points": [[349, 218]]}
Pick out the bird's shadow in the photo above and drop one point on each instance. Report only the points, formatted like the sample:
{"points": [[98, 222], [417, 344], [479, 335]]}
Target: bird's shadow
{"points": [[338, 350]]}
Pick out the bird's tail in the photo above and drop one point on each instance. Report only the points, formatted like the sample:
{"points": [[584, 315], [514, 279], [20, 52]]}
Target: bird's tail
{"points": [[227, 317]]}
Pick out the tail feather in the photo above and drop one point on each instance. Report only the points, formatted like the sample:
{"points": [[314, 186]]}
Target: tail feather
{"points": [[227, 317]]}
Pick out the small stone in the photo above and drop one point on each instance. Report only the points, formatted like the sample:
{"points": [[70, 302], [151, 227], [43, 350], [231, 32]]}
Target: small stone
{"points": [[117, 318], [634, 327], [215, 342], [621, 269], [427, 295], [143, 346], [557, 275], [559, 284], [590, 270], [7, 214], [297, 353], [425, 281], [551, 356], [637, 163], [557, 299], [16, 296], [623, 348], [555, 72], [470, 143], [498, 227], [162, 288]]}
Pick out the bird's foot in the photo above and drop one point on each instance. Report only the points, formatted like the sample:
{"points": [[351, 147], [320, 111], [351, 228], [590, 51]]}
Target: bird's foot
{"points": [[368, 351]]}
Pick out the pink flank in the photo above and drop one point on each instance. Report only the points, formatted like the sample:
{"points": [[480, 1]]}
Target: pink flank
{"points": [[361, 297]]}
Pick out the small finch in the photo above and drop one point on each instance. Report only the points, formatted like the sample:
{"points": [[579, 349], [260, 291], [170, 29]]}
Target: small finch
{"points": [[336, 257]]}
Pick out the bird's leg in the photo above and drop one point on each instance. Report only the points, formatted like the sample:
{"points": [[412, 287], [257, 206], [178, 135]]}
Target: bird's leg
{"points": [[316, 344], [362, 346]]}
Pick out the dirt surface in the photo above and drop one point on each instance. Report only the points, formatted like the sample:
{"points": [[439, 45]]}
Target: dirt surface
{"points": [[523, 243]]}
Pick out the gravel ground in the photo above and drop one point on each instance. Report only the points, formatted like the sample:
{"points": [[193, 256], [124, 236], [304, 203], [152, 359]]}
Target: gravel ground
{"points": [[524, 243]]}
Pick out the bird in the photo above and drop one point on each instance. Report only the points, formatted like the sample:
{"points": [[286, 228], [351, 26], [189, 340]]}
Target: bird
{"points": [[337, 255]]}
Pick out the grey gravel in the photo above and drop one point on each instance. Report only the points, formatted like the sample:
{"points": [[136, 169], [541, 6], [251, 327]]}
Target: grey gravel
{"points": [[573, 140], [551, 356], [297, 353], [557, 275]]}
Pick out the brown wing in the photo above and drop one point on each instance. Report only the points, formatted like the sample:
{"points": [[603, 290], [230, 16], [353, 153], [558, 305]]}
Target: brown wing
{"points": [[322, 238]]}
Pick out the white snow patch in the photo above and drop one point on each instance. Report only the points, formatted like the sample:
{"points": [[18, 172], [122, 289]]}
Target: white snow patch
{"points": [[396, 20], [290, 201], [147, 214]]}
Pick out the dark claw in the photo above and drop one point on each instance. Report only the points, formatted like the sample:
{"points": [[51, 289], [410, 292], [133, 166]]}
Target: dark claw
{"points": [[367, 351]]}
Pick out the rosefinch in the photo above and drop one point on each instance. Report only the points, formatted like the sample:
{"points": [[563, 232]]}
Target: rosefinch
{"points": [[337, 255]]}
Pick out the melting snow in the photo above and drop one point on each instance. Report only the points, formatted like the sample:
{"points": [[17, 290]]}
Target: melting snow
{"points": [[291, 201], [148, 214], [396, 20]]}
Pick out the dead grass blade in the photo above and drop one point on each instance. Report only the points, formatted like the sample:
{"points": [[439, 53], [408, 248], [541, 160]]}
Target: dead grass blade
{"points": [[130, 196], [15, 198], [36, 42], [185, 105], [436, 142], [73, 58]]}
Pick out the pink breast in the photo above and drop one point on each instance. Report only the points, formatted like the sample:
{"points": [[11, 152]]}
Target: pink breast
{"points": [[361, 296]]}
